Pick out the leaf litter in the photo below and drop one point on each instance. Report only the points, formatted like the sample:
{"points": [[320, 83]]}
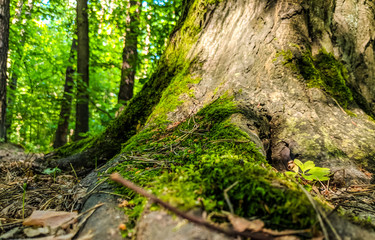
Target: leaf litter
{"points": [[32, 205]]}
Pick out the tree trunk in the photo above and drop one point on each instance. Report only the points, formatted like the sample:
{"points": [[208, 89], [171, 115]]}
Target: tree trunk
{"points": [[82, 107], [130, 54], [295, 78], [66, 103], [307, 68], [4, 45]]}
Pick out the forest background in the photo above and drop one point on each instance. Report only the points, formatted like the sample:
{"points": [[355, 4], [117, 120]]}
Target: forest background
{"points": [[41, 52]]}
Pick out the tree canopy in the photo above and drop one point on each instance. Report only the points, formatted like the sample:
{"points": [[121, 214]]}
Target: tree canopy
{"points": [[41, 35]]}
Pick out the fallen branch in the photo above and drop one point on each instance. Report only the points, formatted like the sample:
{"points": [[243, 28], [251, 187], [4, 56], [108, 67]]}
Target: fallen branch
{"points": [[199, 221]]}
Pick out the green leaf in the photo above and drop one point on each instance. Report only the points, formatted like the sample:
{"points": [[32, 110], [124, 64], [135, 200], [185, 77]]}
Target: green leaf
{"points": [[291, 174], [307, 166], [318, 173], [298, 163]]}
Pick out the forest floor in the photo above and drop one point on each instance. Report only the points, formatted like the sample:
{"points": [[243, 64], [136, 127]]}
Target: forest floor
{"points": [[23, 193]]}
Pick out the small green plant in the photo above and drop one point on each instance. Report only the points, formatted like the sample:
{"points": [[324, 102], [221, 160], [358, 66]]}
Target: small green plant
{"points": [[309, 171], [53, 171], [23, 200]]}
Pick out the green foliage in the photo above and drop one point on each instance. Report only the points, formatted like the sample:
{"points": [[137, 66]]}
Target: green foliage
{"points": [[40, 40], [191, 163], [309, 171], [53, 171]]}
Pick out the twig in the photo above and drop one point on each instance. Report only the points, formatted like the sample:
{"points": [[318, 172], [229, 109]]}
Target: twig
{"points": [[199, 221], [325, 233], [227, 197], [75, 174], [101, 110], [230, 140], [320, 215]]}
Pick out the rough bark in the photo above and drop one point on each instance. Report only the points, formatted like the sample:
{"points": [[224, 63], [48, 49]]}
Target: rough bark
{"points": [[82, 107], [62, 130], [4, 45], [242, 50], [130, 54], [273, 58], [254, 50]]}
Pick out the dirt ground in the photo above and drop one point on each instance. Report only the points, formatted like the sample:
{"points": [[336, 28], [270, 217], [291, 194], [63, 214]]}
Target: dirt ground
{"points": [[22, 191]]}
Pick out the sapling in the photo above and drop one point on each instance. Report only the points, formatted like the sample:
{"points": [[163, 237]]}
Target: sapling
{"points": [[53, 171]]}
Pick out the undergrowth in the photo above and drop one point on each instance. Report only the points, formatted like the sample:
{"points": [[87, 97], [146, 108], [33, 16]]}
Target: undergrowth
{"points": [[190, 164]]}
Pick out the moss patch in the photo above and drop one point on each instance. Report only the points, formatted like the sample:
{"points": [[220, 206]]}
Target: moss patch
{"points": [[190, 164], [322, 71], [75, 147]]}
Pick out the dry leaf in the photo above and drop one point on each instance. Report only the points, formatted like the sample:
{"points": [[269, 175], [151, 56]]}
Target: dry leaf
{"points": [[241, 224], [33, 232], [49, 218]]}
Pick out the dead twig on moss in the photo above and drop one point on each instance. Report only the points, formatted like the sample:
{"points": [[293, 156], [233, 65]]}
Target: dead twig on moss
{"points": [[199, 221], [321, 216], [227, 197]]}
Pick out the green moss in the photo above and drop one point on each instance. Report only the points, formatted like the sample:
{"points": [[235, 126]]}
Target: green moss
{"points": [[322, 71], [191, 164], [75, 147]]}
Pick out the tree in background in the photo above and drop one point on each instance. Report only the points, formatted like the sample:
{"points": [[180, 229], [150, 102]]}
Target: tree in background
{"points": [[39, 56], [4, 45], [13, 74], [82, 104], [66, 103], [130, 54]]}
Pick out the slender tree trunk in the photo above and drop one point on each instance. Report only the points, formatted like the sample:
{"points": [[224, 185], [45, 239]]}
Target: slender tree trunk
{"points": [[130, 54], [82, 107], [4, 45], [66, 104]]}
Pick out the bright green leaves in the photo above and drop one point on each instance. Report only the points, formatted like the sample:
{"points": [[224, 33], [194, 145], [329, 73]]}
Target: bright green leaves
{"points": [[309, 171], [40, 39]]}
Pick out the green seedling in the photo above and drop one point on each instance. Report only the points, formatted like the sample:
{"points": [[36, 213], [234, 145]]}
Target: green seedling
{"points": [[53, 171], [23, 200], [309, 171]]}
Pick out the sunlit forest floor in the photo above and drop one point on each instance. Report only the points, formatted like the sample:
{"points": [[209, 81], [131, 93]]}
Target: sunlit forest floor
{"points": [[23, 192]]}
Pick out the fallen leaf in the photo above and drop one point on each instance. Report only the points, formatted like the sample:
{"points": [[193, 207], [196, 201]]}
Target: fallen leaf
{"points": [[10, 233], [241, 224], [33, 232], [51, 219]]}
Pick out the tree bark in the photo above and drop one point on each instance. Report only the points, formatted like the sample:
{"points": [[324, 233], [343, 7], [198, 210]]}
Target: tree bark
{"points": [[62, 130], [130, 54], [301, 73], [267, 55], [4, 45], [82, 106]]}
